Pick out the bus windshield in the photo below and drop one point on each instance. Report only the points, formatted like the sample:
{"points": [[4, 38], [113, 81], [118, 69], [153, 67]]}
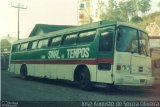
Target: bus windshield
{"points": [[129, 41]]}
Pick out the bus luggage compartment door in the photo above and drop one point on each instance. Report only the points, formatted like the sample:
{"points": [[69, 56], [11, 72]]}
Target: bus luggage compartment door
{"points": [[104, 71]]}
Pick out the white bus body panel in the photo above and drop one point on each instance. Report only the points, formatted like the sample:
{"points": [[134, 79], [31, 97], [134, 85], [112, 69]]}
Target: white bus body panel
{"points": [[11, 68], [93, 72], [54, 71], [135, 70], [17, 68], [31, 69], [104, 76], [51, 71]]}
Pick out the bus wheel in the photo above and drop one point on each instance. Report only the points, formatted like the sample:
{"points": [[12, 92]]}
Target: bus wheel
{"points": [[23, 72], [84, 79]]}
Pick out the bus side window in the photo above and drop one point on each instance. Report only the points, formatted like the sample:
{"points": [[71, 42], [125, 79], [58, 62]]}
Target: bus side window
{"points": [[15, 48], [23, 47], [40, 44], [106, 38], [18, 48], [69, 39], [86, 37], [106, 41], [43, 43], [32, 45], [56, 41]]}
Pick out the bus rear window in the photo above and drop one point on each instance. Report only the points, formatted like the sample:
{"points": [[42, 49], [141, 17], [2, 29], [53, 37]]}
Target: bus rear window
{"points": [[87, 37]]}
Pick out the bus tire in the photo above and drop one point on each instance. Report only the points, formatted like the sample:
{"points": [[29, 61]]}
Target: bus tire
{"points": [[23, 72], [84, 79]]}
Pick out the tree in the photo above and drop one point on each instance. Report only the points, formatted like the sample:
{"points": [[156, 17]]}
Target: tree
{"points": [[131, 6], [110, 12], [126, 10], [136, 19], [101, 9], [144, 6], [106, 12], [121, 11]]}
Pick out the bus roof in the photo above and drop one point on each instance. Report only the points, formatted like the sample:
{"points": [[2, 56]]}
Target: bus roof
{"points": [[77, 29]]}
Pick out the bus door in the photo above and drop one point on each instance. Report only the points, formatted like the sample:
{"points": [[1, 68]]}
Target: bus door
{"points": [[140, 60], [105, 55]]}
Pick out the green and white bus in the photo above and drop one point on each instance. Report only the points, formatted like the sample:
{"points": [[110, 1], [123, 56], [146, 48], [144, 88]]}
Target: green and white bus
{"points": [[105, 52]]}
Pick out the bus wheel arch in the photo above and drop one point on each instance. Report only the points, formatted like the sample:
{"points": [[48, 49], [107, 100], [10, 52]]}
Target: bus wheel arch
{"points": [[82, 76], [23, 71]]}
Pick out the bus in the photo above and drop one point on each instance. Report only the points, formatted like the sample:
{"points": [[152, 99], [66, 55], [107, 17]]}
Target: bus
{"points": [[105, 52]]}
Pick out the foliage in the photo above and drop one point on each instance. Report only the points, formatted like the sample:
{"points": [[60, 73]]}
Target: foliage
{"points": [[124, 10], [136, 19], [133, 11], [150, 18], [144, 6]]}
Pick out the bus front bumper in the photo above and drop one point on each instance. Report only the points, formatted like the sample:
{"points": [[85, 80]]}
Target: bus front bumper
{"points": [[134, 80]]}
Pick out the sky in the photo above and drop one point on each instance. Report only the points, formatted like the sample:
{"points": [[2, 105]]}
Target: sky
{"points": [[54, 12]]}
